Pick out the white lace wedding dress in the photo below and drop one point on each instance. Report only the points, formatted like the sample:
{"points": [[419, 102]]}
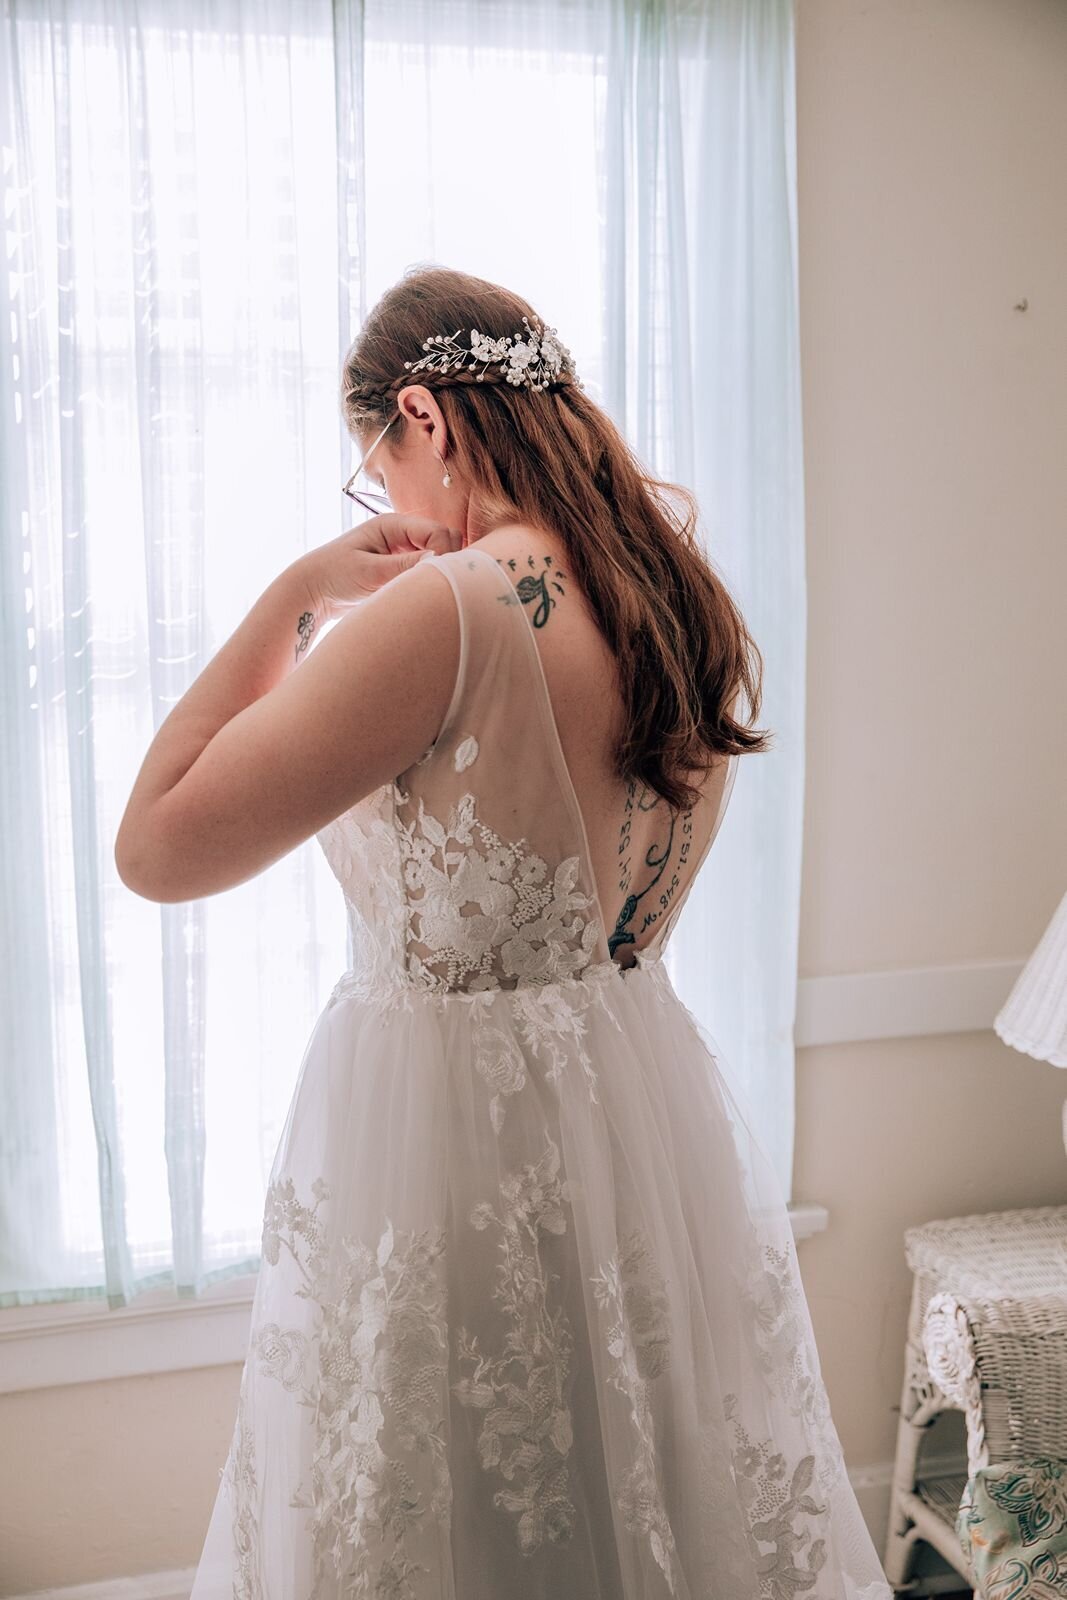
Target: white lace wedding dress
{"points": [[529, 1321]]}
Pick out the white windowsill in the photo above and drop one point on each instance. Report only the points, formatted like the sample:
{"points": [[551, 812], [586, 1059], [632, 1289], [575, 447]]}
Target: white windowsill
{"points": [[82, 1341]]}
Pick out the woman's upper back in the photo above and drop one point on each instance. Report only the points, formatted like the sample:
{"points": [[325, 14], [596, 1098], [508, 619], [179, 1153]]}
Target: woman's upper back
{"points": [[508, 855], [550, 667]]}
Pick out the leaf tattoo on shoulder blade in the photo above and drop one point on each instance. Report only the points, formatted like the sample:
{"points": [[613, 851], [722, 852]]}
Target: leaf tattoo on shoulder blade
{"points": [[537, 586]]}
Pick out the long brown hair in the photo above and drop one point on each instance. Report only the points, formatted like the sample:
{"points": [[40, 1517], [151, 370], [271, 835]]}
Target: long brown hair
{"points": [[553, 459]]}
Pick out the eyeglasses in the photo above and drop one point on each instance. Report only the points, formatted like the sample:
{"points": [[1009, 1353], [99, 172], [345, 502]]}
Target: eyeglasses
{"points": [[378, 503]]}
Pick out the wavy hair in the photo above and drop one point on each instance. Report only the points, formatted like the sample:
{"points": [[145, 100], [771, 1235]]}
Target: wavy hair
{"points": [[553, 459]]}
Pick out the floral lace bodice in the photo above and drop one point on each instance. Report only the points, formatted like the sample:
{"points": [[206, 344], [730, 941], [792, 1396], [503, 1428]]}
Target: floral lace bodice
{"points": [[470, 871]]}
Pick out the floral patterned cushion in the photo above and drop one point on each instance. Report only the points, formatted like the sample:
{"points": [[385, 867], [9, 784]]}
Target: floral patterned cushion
{"points": [[1012, 1524]]}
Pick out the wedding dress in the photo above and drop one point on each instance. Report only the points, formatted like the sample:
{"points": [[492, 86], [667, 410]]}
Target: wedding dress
{"points": [[529, 1320]]}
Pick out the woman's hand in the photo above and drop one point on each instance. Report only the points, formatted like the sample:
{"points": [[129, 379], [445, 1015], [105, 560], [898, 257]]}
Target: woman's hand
{"points": [[351, 567]]}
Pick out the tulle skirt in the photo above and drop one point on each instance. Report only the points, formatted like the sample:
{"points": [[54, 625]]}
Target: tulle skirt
{"points": [[529, 1321]]}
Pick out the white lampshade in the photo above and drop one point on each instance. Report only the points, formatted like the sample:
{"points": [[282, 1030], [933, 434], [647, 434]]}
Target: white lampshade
{"points": [[1034, 1016]]}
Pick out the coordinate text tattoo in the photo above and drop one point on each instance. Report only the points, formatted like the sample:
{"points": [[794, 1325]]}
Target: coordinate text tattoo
{"points": [[655, 859]]}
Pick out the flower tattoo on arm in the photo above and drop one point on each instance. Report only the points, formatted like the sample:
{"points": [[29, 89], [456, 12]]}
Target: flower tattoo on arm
{"points": [[305, 627]]}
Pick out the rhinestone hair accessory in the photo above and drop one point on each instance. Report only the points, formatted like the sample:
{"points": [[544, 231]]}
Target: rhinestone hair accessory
{"points": [[532, 359]]}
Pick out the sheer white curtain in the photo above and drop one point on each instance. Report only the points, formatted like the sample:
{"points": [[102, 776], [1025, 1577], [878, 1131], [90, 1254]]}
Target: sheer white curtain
{"points": [[170, 442], [200, 205]]}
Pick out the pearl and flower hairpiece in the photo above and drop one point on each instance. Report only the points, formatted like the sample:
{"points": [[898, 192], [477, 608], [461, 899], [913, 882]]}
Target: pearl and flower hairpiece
{"points": [[532, 359]]}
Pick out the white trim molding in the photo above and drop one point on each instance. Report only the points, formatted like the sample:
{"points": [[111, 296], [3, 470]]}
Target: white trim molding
{"points": [[175, 1585], [902, 1003], [81, 1341]]}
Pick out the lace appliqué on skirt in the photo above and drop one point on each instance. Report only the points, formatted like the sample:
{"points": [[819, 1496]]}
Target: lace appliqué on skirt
{"points": [[631, 1288], [526, 1431], [788, 1357], [240, 1475], [788, 1557], [787, 1500], [375, 1380], [551, 1021]]}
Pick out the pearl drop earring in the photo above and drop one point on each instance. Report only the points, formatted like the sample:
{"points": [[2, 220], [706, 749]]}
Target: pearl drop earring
{"points": [[447, 479]]}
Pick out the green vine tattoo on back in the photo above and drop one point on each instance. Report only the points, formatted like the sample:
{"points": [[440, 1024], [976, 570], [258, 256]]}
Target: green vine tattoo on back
{"points": [[623, 933], [536, 586]]}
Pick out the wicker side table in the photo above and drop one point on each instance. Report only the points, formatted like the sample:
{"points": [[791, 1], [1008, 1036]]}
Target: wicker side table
{"points": [[987, 1335]]}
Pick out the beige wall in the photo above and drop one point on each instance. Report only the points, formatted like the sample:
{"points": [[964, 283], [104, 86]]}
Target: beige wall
{"points": [[931, 135], [931, 200]]}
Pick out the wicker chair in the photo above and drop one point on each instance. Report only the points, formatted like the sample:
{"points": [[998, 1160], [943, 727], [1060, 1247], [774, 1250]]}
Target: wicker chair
{"points": [[987, 1335]]}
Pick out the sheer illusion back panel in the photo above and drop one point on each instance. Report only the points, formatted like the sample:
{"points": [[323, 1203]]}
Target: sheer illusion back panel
{"points": [[643, 861], [497, 876]]}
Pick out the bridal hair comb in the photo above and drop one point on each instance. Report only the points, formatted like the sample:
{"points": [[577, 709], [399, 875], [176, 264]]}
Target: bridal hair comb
{"points": [[532, 359]]}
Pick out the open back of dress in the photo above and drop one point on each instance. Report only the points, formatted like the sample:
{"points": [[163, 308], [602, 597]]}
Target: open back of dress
{"points": [[500, 886]]}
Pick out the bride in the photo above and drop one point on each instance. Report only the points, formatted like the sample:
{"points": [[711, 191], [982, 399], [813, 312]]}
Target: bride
{"points": [[529, 1320]]}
